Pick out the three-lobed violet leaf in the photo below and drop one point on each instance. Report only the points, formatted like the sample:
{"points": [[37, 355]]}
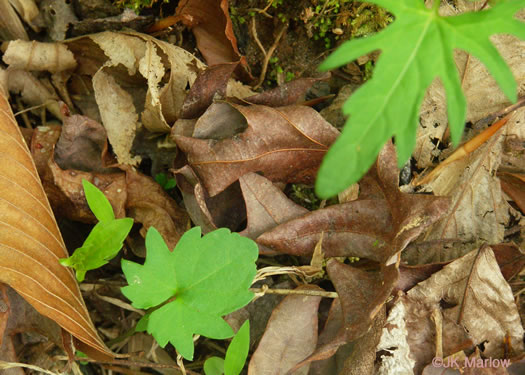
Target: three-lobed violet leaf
{"points": [[105, 239], [415, 49], [193, 286]]}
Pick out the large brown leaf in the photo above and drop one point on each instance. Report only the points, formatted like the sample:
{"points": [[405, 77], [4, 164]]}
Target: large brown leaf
{"points": [[31, 244], [286, 144], [377, 226]]}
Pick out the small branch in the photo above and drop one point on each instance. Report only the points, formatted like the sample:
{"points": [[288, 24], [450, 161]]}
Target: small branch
{"points": [[268, 56], [319, 293]]}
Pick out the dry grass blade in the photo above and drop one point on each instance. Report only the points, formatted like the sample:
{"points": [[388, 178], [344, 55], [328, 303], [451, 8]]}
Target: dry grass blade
{"points": [[31, 243]]}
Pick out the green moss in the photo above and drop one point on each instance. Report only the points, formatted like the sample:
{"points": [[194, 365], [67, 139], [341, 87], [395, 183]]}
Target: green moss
{"points": [[137, 5]]}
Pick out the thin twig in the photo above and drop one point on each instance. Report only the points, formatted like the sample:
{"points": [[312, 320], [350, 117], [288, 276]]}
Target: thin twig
{"points": [[319, 293]]}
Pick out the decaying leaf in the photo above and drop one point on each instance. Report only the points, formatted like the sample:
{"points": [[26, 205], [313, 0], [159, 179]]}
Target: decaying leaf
{"points": [[290, 336], [31, 244], [286, 144]]}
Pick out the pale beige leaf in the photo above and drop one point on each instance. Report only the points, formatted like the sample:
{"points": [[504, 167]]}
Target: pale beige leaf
{"points": [[118, 114], [31, 244], [482, 305], [52, 57]]}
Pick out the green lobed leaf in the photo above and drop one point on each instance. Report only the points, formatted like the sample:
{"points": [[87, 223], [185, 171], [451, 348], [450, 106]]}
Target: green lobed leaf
{"points": [[214, 366], [415, 49], [203, 279], [238, 351], [97, 202], [102, 244]]}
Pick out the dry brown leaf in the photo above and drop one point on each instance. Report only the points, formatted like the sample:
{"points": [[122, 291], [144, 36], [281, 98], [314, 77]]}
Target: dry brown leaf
{"points": [[290, 336], [31, 244], [210, 84], [51, 57], [286, 144], [226, 209], [266, 205]]}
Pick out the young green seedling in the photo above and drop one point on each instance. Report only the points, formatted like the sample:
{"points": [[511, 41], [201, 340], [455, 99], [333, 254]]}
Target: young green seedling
{"points": [[163, 180], [105, 239], [416, 48], [190, 288], [236, 355]]}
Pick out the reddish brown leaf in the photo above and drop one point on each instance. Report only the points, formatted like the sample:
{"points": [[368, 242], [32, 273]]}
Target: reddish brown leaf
{"points": [[290, 336], [285, 144], [210, 83], [220, 121], [211, 24], [510, 258], [31, 244], [514, 187]]}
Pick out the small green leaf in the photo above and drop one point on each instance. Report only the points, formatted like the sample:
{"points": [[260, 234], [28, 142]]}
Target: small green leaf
{"points": [[103, 243], [416, 48], [214, 366], [192, 287], [165, 182], [97, 202], [238, 351]]}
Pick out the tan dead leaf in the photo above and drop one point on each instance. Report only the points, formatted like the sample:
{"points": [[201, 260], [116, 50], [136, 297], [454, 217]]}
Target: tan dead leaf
{"points": [[33, 91], [478, 213], [481, 305], [31, 244], [290, 336], [286, 144], [51, 57], [11, 26]]}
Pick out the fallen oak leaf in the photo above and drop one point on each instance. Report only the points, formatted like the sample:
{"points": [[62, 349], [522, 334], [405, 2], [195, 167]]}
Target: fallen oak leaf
{"points": [[285, 144]]}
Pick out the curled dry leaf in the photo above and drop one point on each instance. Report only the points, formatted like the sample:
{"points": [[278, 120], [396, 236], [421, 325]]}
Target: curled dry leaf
{"points": [[285, 144], [514, 186], [290, 336], [51, 57], [31, 244]]}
